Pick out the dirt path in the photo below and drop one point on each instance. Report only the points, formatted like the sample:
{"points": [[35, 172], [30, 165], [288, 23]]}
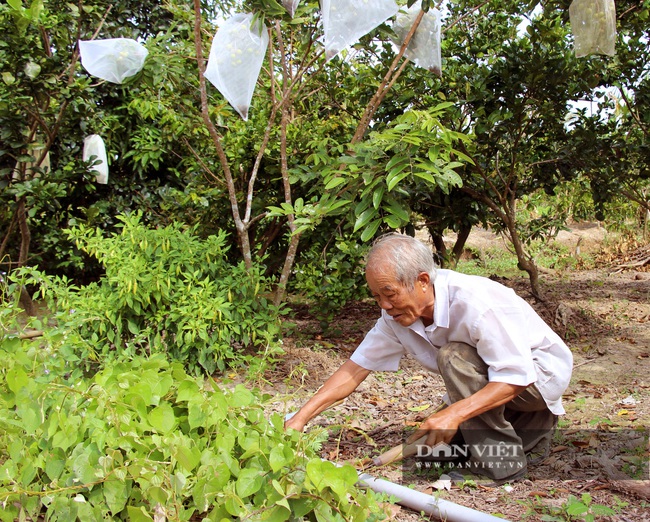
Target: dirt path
{"points": [[605, 319]]}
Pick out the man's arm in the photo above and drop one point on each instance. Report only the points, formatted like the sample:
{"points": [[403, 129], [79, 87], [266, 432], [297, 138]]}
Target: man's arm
{"points": [[442, 426], [340, 384]]}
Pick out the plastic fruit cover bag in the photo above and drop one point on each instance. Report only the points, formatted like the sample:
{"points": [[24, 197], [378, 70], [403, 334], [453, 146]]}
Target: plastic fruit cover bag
{"points": [[236, 58], [114, 59], [94, 146], [291, 6], [424, 47], [345, 21], [593, 23]]}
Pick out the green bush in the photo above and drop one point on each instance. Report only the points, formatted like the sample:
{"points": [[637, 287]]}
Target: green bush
{"points": [[164, 290], [331, 279], [143, 440]]}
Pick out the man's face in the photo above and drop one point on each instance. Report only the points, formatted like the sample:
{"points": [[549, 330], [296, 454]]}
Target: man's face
{"points": [[404, 305]]}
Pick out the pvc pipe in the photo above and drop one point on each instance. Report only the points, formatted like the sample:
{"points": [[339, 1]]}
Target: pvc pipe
{"points": [[421, 502]]}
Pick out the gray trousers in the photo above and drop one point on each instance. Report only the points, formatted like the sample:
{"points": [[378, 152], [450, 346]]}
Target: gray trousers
{"points": [[498, 439]]}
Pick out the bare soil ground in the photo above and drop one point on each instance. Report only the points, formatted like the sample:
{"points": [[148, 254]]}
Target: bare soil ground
{"points": [[604, 315]]}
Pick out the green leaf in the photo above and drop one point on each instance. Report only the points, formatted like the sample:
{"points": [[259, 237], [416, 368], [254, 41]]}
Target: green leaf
{"points": [[30, 413], [133, 327], [392, 180], [462, 156], [342, 479], [426, 176], [399, 211], [8, 471], [371, 230], [138, 514], [334, 182], [576, 508], [397, 161], [377, 196], [27, 474], [280, 456], [16, 5], [196, 416], [162, 418], [241, 397], [17, 379], [188, 458], [54, 467], [393, 221], [279, 513], [84, 470], [364, 218], [116, 494], [249, 482]]}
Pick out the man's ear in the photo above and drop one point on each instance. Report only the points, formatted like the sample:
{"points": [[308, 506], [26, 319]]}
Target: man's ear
{"points": [[424, 279]]}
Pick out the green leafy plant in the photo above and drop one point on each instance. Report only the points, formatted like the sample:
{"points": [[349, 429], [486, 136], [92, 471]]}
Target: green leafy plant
{"points": [[573, 509], [143, 440], [165, 290], [331, 279]]}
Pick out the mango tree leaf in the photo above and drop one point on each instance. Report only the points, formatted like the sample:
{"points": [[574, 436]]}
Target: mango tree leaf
{"points": [[370, 230], [364, 218], [394, 179], [334, 182], [377, 196]]}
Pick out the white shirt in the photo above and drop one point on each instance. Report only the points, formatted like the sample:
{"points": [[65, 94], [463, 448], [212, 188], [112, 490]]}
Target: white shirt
{"points": [[516, 344]]}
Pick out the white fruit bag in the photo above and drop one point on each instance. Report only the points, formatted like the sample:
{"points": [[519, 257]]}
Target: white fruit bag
{"points": [[424, 47], [114, 59], [345, 21], [236, 58], [291, 6], [94, 146], [593, 23]]}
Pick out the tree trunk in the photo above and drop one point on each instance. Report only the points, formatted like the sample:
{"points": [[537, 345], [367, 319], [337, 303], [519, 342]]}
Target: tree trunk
{"points": [[441, 248], [450, 259], [25, 238], [524, 262], [294, 238], [459, 245], [506, 212]]}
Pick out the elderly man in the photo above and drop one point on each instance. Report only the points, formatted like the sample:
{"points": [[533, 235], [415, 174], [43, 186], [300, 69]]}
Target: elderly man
{"points": [[503, 367]]}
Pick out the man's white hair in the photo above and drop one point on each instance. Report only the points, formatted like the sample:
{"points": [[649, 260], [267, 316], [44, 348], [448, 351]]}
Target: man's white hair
{"points": [[402, 257]]}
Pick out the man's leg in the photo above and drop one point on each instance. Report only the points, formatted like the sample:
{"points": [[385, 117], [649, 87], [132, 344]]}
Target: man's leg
{"points": [[497, 448], [534, 426]]}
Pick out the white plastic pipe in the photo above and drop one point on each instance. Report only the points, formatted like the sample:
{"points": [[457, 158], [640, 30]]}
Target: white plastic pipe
{"points": [[423, 503]]}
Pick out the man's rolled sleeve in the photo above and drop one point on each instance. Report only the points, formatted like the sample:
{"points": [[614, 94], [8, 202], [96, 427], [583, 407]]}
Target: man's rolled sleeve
{"points": [[380, 350]]}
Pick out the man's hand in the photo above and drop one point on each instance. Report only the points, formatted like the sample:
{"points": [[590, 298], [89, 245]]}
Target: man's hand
{"points": [[440, 427], [295, 423], [340, 384]]}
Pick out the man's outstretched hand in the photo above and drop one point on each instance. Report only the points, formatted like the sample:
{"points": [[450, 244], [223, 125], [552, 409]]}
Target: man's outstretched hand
{"points": [[294, 423]]}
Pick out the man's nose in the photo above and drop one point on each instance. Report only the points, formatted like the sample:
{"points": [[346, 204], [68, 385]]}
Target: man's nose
{"points": [[385, 304]]}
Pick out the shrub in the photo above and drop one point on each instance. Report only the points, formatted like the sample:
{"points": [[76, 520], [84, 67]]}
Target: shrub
{"points": [[332, 279], [164, 290], [145, 441]]}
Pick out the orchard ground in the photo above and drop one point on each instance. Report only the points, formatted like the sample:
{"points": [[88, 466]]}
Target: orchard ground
{"points": [[603, 313]]}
